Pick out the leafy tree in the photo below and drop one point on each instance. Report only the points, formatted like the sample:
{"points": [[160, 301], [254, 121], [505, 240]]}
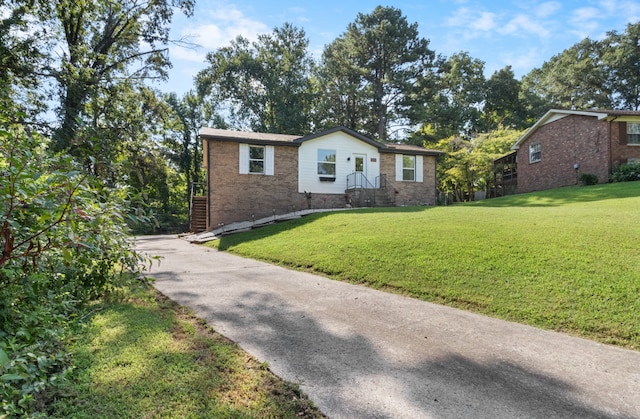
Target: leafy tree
{"points": [[489, 147], [125, 125], [385, 69], [468, 165], [503, 106], [455, 109], [573, 79], [621, 56], [84, 45], [534, 104], [182, 145], [342, 100], [264, 85], [20, 54]]}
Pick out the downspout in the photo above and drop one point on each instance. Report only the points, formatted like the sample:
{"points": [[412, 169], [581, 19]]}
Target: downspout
{"points": [[208, 184], [610, 151], [611, 145], [435, 177]]}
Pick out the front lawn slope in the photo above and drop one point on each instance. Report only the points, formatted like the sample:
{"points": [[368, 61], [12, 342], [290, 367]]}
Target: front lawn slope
{"points": [[565, 259]]}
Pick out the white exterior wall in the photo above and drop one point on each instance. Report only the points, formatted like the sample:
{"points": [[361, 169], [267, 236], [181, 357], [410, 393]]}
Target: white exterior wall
{"points": [[346, 146]]}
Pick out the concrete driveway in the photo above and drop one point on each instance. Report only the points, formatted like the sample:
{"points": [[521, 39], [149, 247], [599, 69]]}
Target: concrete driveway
{"points": [[361, 353]]}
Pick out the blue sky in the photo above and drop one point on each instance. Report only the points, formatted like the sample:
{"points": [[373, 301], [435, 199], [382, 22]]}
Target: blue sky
{"points": [[523, 34]]}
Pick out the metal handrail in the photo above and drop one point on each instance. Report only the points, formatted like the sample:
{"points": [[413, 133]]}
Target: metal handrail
{"points": [[381, 181], [359, 180]]}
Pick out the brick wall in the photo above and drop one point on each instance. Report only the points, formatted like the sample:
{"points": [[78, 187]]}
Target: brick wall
{"points": [[235, 197], [411, 193], [620, 151], [569, 140], [242, 197]]}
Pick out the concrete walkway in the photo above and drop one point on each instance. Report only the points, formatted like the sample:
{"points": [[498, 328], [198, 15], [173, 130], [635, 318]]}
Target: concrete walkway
{"points": [[361, 353]]}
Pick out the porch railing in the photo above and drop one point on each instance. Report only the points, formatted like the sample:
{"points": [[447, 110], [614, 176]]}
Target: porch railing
{"points": [[357, 180]]}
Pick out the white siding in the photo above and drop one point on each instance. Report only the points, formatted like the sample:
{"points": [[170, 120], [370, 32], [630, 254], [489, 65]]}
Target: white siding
{"points": [[344, 145]]}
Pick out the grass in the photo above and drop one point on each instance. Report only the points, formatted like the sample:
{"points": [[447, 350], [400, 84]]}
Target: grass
{"points": [[149, 358], [565, 259]]}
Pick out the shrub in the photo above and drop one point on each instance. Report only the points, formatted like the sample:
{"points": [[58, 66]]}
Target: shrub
{"points": [[626, 172], [63, 242], [587, 179]]}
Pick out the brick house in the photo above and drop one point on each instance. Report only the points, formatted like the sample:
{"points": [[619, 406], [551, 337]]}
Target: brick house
{"points": [[564, 143], [253, 175]]}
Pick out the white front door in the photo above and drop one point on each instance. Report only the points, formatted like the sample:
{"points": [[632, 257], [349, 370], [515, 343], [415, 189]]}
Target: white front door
{"points": [[360, 169]]}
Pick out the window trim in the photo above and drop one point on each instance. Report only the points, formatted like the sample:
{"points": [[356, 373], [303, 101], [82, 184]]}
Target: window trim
{"points": [[418, 168], [263, 159], [535, 153], [406, 168], [329, 152], [245, 159]]}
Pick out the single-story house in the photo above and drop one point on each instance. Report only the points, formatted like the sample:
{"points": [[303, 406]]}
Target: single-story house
{"points": [[566, 143], [253, 175]]}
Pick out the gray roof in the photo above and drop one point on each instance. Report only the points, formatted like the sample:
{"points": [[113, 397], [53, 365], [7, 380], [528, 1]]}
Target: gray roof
{"points": [[408, 148], [296, 140], [248, 136]]}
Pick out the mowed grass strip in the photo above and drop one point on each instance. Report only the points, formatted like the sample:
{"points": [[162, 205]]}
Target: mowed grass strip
{"points": [[150, 358], [565, 259]]}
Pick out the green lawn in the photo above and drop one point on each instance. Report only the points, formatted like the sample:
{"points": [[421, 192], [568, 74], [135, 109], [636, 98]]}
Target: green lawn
{"points": [[149, 358], [565, 259]]}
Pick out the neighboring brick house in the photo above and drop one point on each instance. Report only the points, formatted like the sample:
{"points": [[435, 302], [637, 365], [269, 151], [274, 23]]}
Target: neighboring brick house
{"points": [[564, 143], [253, 175]]}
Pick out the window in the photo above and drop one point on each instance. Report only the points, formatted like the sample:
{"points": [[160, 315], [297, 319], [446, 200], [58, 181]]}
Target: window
{"points": [[535, 153], [327, 163], [633, 133], [256, 159], [409, 168]]}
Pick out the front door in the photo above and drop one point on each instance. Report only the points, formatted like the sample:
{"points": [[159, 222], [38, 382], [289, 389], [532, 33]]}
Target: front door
{"points": [[360, 169]]}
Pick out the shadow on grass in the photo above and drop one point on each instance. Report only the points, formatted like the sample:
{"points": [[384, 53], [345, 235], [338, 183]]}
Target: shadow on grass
{"points": [[564, 196], [144, 362], [231, 240], [349, 376]]}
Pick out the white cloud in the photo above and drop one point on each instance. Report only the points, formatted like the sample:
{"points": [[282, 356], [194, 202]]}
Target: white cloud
{"points": [[523, 23], [468, 18], [547, 9], [486, 22], [623, 8], [590, 21], [585, 20], [297, 10], [220, 27], [585, 14], [225, 25], [523, 62], [187, 54]]}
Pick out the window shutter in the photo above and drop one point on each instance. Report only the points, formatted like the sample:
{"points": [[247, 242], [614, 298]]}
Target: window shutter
{"points": [[419, 164], [399, 167], [269, 160], [622, 133], [244, 159]]}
